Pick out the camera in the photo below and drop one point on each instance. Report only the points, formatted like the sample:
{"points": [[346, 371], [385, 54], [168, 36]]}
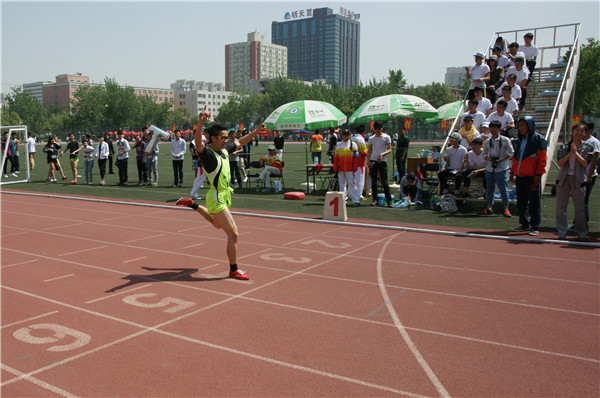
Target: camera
{"points": [[495, 161]]}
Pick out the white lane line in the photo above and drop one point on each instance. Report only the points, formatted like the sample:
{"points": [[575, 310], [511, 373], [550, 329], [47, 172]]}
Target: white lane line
{"points": [[126, 291], [28, 319], [143, 238], [82, 251], [194, 245], [63, 226], [22, 262], [57, 278], [134, 259], [412, 347], [38, 382]]}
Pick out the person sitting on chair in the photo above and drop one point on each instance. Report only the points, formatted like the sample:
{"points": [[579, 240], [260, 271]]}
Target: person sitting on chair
{"points": [[272, 167]]}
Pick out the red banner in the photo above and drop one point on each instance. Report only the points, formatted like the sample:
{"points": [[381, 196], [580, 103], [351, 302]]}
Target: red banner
{"points": [[371, 125], [444, 124], [576, 120], [195, 126], [407, 124], [173, 127], [241, 127]]}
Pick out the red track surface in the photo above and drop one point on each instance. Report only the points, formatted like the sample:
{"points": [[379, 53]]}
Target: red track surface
{"points": [[464, 316]]}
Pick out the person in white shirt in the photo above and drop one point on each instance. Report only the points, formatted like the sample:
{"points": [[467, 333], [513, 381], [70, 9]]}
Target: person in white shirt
{"points": [[88, 161], [506, 120], [102, 153], [478, 117], [484, 105], [122, 157], [379, 146], [513, 52], [522, 74], [478, 74], [474, 165], [512, 106], [455, 159], [515, 89], [31, 150], [530, 52], [177, 152], [592, 170]]}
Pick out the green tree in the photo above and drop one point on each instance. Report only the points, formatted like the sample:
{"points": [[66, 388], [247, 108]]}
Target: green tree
{"points": [[437, 94], [89, 108], [23, 108], [587, 95]]}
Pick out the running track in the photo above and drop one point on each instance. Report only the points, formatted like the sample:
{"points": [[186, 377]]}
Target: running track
{"points": [[331, 310]]}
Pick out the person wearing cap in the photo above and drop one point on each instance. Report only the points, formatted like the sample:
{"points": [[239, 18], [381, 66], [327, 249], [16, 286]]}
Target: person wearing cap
{"points": [[478, 117], [345, 166], [522, 74], [478, 74], [484, 131], [496, 78], [512, 106], [272, 167], [530, 52], [410, 187], [505, 118], [454, 158], [497, 152], [528, 166], [513, 52], [467, 132], [474, 165], [484, 105], [503, 61], [502, 44]]}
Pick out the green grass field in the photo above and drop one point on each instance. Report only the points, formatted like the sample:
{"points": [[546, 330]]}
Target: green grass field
{"points": [[294, 174]]}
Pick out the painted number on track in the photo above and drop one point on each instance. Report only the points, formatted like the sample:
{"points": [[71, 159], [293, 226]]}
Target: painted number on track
{"points": [[58, 332], [283, 257], [175, 303], [338, 245]]}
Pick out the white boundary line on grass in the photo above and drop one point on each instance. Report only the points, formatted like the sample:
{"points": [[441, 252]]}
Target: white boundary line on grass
{"points": [[345, 223]]}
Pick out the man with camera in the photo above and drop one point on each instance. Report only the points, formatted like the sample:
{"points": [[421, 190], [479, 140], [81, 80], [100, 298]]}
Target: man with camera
{"points": [[497, 152]]}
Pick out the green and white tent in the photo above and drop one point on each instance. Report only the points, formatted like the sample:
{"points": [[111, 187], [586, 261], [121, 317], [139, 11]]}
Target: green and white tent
{"points": [[305, 114]]}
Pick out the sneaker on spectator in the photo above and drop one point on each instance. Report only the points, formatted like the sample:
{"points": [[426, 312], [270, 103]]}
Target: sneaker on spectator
{"points": [[195, 196], [239, 274], [184, 202], [487, 212], [266, 189], [507, 213], [522, 228], [5, 175], [571, 227], [533, 232], [13, 175]]}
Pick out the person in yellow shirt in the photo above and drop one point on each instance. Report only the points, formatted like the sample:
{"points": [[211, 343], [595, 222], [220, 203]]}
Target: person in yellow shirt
{"points": [[316, 147], [468, 132]]}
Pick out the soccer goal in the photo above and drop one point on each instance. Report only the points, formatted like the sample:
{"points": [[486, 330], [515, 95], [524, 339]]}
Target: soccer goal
{"points": [[23, 174]]}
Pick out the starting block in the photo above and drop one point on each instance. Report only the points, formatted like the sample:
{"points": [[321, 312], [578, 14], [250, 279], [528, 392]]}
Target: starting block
{"points": [[335, 206]]}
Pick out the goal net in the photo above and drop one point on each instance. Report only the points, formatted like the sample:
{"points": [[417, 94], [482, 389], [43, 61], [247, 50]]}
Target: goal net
{"points": [[16, 168]]}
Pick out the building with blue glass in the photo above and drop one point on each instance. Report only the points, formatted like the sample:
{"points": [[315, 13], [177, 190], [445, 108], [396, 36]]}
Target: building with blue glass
{"points": [[321, 45]]}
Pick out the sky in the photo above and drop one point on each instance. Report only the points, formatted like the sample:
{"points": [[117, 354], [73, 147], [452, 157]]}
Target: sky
{"points": [[153, 44]]}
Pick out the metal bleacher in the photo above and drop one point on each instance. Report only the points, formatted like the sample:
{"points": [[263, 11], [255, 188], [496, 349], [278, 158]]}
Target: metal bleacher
{"points": [[552, 88]]}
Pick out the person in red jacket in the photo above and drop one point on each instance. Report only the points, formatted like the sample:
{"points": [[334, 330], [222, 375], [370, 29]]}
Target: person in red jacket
{"points": [[528, 166]]}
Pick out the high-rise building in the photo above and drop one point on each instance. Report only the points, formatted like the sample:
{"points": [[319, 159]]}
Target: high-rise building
{"points": [[35, 89], [63, 90], [195, 96], [455, 76], [255, 59], [324, 46]]}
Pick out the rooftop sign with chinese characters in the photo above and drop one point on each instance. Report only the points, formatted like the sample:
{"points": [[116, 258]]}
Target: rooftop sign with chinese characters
{"points": [[310, 12]]}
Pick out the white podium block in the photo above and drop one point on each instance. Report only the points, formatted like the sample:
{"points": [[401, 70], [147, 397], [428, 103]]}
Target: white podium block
{"points": [[335, 206]]}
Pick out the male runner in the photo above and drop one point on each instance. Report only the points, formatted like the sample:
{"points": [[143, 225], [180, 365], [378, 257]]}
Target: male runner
{"points": [[218, 199]]}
